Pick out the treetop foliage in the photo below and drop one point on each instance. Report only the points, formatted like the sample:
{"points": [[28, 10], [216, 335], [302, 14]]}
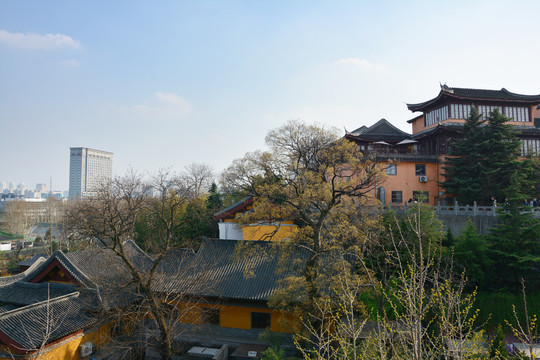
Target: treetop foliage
{"points": [[482, 162]]}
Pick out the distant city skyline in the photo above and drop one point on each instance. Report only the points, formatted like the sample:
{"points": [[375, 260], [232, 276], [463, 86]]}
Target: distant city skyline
{"points": [[166, 84]]}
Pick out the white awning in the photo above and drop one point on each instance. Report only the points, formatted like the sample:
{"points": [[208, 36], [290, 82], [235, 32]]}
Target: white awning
{"points": [[406, 141]]}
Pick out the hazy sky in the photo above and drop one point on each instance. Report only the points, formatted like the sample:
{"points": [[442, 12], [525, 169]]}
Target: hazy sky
{"points": [[168, 83]]}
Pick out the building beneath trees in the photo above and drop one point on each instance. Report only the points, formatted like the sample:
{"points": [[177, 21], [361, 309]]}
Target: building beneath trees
{"points": [[414, 162], [87, 168], [83, 304]]}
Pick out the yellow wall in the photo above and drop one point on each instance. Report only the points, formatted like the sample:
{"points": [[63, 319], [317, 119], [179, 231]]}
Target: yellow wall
{"points": [[69, 347], [239, 317], [263, 232]]}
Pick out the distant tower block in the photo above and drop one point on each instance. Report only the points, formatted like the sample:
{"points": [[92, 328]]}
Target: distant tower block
{"points": [[87, 169]]}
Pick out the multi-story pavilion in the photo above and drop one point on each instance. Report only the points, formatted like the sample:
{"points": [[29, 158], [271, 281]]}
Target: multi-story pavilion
{"points": [[414, 162]]}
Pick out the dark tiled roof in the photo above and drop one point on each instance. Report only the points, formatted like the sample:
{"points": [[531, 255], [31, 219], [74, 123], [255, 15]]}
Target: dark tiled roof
{"points": [[248, 200], [109, 273], [67, 265], [382, 130], [502, 95], [448, 126], [458, 127], [105, 283], [11, 279], [24, 293], [213, 272], [527, 130], [360, 130], [32, 326], [6, 308], [29, 262]]}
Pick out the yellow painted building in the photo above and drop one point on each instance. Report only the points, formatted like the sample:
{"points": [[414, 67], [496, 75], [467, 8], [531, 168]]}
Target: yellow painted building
{"points": [[57, 309], [239, 316], [229, 229]]}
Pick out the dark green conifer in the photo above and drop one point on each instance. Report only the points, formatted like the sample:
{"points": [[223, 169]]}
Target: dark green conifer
{"points": [[514, 241], [471, 255], [501, 159], [464, 170]]}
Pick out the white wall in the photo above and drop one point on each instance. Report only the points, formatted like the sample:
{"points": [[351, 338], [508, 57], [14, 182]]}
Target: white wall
{"points": [[230, 231]]}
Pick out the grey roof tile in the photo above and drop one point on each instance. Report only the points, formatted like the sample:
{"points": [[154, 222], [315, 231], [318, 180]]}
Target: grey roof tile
{"points": [[382, 130], [32, 326], [213, 271], [29, 262], [11, 279], [24, 293]]}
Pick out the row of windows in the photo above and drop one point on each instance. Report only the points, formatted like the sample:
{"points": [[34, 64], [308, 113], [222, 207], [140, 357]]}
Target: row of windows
{"points": [[397, 196], [420, 169], [462, 111], [434, 116], [530, 147], [259, 320]]}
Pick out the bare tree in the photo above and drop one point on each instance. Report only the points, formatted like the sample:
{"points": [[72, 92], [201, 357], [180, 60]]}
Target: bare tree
{"points": [[200, 176], [526, 330], [19, 217], [434, 317], [110, 219], [312, 176]]}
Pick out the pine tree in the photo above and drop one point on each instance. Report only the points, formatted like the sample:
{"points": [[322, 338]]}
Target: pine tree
{"points": [[514, 241], [501, 159], [464, 170], [471, 254]]}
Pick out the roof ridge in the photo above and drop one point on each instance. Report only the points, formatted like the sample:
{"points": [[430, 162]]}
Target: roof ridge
{"points": [[64, 260], [466, 88], [137, 248], [55, 300]]}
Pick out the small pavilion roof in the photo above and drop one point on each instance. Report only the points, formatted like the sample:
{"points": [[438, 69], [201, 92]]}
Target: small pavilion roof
{"points": [[234, 208], [29, 262], [5, 280], [382, 130], [464, 94]]}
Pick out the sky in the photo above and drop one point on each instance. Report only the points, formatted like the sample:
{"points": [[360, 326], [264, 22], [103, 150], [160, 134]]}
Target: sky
{"points": [[164, 84]]}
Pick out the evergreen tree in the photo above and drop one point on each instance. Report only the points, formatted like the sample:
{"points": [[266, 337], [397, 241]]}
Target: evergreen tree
{"points": [[464, 170], [214, 202], [481, 163], [501, 158], [515, 241], [448, 240], [471, 255]]}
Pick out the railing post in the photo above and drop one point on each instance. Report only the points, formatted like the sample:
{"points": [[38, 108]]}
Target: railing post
{"points": [[456, 208], [474, 209]]}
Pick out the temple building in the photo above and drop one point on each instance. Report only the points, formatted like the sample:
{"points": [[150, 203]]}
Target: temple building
{"points": [[414, 162]]}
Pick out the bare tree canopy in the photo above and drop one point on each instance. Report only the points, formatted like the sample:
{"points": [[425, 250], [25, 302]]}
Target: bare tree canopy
{"points": [[124, 210], [313, 177]]}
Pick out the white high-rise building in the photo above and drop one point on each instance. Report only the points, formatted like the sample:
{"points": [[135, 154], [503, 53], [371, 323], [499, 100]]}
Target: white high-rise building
{"points": [[87, 169]]}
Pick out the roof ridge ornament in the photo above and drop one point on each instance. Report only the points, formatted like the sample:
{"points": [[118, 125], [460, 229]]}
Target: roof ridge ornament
{"points": [[446, 88]]}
